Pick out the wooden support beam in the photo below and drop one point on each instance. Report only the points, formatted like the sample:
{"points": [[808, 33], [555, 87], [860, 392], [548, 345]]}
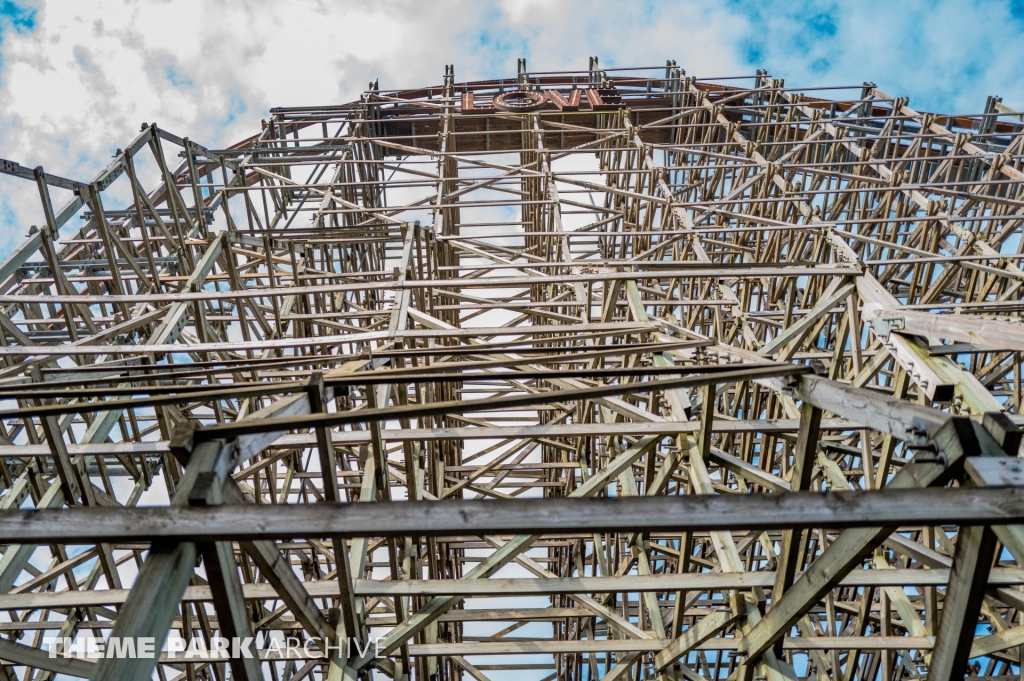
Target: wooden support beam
{"points": [[975, 549], [907, 506], [602, 358], [233, 618], [792, 551], [153, 600], [953, 441]]}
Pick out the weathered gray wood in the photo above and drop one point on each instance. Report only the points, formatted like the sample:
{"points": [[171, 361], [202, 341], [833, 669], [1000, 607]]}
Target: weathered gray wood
{"points": [[152, 603], [995, 472], [995, 333], [713, 225], [21, 654], [898, 418], [150, 607], [693, 637], [953, 441], [791, 554], [909, 507], [271, 425], [652, 645], [234, 619], [350, 437], [975, 549], [279, 573], [703, 581]]}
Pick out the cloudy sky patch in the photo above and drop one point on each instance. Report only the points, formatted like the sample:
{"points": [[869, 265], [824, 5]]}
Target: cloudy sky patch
{"points": [[77, 79]]}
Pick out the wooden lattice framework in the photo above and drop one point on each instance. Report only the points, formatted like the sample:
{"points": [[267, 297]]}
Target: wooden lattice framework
{"points": [[694, 379]]}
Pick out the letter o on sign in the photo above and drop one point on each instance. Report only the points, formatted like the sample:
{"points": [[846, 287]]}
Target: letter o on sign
{"points": [[520, 101]]}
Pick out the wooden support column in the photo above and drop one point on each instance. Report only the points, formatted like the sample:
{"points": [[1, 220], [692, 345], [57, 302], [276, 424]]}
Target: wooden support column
{"points": [[975, 550], [791, 555], [328, 464], [233, 618], [153, 601], [953, 441]]}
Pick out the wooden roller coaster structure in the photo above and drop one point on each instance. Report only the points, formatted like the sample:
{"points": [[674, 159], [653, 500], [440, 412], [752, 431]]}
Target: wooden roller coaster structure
{"points": [[606, 374]]}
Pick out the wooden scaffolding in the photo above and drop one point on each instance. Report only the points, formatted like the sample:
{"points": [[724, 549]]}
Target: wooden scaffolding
{"points": [[646, 376]]}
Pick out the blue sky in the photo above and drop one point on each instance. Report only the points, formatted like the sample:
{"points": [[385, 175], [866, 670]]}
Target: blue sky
{"points": [[77, 79], [17, 17]]}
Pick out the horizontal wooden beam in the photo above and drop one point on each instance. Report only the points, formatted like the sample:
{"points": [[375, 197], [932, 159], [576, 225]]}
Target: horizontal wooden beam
{"points": [[358, 437], [692, 270], [656, 645], [1006, 333], [231, 430], [909, 507], [515, 586]]}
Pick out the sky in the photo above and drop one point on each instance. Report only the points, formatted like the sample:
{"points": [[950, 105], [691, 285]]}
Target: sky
{"points": [[77, 79]]}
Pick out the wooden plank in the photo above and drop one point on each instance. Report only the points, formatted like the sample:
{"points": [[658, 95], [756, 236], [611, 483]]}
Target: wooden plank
{"points": [[954, 440], [153, 601], [911, 507], [1004, 333], [233, 430], [515, 346], [705, 581], [652, 645], [355, 437], [975, 549], [233, 619]]}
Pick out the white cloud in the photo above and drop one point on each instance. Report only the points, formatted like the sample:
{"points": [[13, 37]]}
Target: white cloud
{"points": [[78, 84]]}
